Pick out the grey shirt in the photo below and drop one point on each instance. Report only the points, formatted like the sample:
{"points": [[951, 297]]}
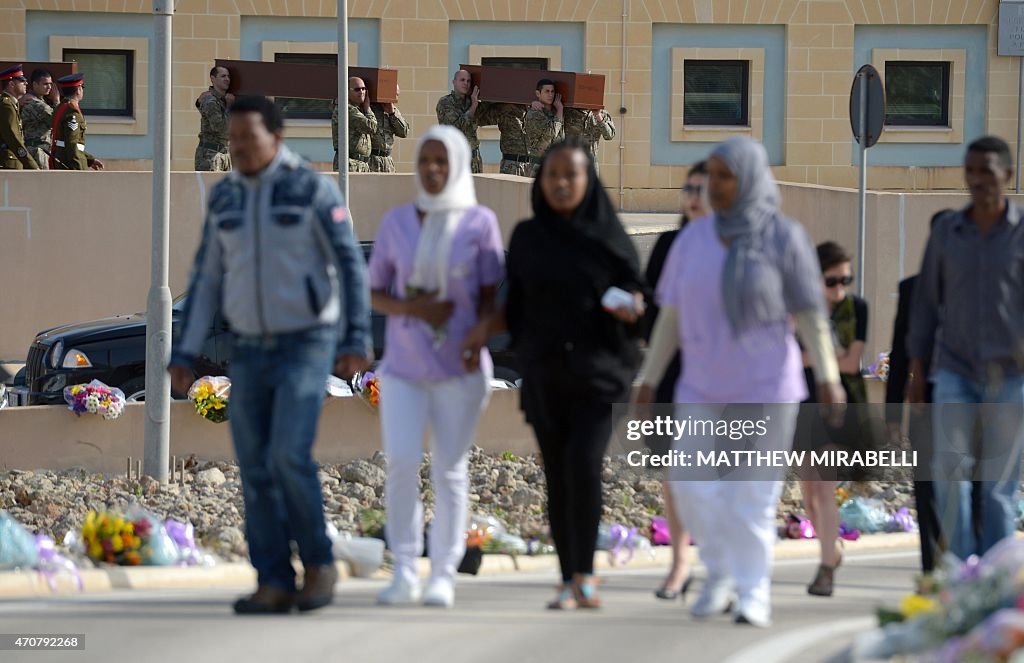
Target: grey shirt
{"points": [[968, 306]]}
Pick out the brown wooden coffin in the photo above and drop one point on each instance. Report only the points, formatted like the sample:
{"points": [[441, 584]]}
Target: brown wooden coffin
{"points": [[58, 69], [516, 85], [306, 81]]}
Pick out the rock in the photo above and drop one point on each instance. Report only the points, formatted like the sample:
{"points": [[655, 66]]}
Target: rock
{"points": [[503, 480], [210, 477], [363, 472]]}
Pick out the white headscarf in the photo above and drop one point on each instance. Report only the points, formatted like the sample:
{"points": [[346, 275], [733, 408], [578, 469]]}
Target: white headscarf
{"points": [[443, 211]]}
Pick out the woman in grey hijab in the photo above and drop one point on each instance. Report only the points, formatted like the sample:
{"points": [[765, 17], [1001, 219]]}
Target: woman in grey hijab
{"points": [[739, 348]]}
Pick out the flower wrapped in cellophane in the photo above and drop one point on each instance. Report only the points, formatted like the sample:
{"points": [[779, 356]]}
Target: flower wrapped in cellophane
{"points": [[367, 388], [133, 540], [880, 369], [95, 398], [209, 396]]}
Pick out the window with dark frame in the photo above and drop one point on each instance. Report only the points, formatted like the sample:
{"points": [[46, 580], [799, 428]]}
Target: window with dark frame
{"points": [[716, 92], [519, 63], [917, 93], [305, 109], [109, 80]]}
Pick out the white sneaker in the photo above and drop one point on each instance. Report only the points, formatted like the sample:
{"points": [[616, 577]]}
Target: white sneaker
{"points": [[715, 598], [440, 593], [754, 612], [400, 592]]}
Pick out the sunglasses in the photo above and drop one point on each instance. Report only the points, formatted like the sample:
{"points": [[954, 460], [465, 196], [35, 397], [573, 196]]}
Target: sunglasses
{"points": [[358, 89], [694, 189], [833, 281]]}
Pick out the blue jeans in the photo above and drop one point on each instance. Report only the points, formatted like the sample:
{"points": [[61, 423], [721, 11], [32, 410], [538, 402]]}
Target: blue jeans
{"points": [[960, 405], [277, 389]]}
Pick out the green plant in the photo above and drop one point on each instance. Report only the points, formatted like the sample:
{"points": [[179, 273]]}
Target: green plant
{"points": [[508, 456], [627, 500], [371, 521]]}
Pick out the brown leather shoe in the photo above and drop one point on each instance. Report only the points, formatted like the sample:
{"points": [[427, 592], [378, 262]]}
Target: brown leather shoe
{"points": [[267, 600], [317, 587]]}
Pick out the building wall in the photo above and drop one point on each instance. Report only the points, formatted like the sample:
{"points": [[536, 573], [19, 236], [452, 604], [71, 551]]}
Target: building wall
{"points": [[805, 51]]}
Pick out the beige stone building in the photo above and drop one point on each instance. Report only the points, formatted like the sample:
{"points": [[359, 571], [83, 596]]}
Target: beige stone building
{"points": [[686, 73]]}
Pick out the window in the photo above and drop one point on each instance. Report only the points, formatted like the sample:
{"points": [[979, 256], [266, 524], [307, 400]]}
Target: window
{"points": [[109, 80], [917, 93], [519, 63], [305, 109], [716, 92]]}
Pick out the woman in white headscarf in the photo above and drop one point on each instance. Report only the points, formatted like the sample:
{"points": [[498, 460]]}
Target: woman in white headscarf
{"points": [[739, 348], [434, 272]]}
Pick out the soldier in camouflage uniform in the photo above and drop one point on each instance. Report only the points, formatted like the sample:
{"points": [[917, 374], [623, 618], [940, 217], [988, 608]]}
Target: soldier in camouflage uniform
{"points": [[461, 108], [543, 122], [37, 116], [590, 127], [69, 129], [13, 153], [390, 123], [212, 150], [361, 125], [515, 154]]}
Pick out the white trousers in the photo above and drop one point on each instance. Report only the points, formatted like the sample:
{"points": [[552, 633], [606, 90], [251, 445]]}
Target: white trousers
{"points": [[452, 409], [733, 522]]}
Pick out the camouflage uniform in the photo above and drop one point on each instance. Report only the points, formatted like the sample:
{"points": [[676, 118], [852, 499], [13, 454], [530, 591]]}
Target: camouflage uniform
{"points": [[360, 127], [586, 125], [515, 155], [542, 129], [388, 126], [13, 153], [212, 151], [37, 122], [453, 109], [69, 138]]}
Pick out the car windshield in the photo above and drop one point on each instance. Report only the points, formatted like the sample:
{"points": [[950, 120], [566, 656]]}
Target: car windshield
{"points": [[179, 303]]}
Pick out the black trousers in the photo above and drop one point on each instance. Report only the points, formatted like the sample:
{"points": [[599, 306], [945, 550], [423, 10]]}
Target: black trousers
{"points": [[572, 431]]}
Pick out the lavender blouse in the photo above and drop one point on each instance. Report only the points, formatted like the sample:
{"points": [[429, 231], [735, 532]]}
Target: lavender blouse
{"points": [[477, 260], [762, 365]]}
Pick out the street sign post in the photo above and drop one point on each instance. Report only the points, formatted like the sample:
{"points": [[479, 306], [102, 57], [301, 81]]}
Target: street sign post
{"points": [[1011, 43], [867, 119]]}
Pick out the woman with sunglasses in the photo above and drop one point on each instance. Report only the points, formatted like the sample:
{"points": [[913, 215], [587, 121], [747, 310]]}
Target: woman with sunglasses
{"points": [[694, 206], [849, 314]]}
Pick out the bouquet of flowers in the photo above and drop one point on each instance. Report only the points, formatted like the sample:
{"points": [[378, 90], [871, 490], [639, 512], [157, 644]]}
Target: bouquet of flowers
{"points": [[367, 388], [209, 396], [127, 541], [880, 369], [966, 611], [95, 398]]}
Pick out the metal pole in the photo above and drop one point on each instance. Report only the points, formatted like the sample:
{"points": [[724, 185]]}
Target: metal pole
{"points": [[862, 234], [1020, 111], [158, 305], [343, 99]]}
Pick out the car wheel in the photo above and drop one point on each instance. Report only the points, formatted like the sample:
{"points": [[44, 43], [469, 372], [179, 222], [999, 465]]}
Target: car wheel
{"points": [[134, 389], [506, 374]]}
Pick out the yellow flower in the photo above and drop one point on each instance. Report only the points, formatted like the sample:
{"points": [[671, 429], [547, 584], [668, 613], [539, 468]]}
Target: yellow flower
{"points": [[95, 550], [913, 605]]}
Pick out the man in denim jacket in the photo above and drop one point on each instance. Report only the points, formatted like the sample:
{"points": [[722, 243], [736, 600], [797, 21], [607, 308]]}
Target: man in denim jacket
{"points": [[280, 259]]}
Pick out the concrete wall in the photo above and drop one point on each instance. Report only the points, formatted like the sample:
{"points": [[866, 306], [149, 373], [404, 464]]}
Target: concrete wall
{"points": [[76, 246], [64, 261], [52, 437]]}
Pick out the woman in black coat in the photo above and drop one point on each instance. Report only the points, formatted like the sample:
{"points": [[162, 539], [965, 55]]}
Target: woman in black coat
{"points": [[578, 357]]}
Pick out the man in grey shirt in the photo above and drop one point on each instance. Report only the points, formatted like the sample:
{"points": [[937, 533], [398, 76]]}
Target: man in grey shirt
{"points": [[968, 320]]}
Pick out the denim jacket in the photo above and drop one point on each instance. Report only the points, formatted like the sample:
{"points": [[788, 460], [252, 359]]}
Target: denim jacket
{"points": [[278, 255]]}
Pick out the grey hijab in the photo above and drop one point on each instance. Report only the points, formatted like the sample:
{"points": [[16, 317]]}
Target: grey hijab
{"points": [[757, 284]]}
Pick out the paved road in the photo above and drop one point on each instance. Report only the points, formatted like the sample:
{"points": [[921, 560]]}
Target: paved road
{"points": [[496, 619]]}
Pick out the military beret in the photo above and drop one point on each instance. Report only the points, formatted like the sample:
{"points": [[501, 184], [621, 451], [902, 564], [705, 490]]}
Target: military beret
{"points": [[14, 71], [71, 80]]}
